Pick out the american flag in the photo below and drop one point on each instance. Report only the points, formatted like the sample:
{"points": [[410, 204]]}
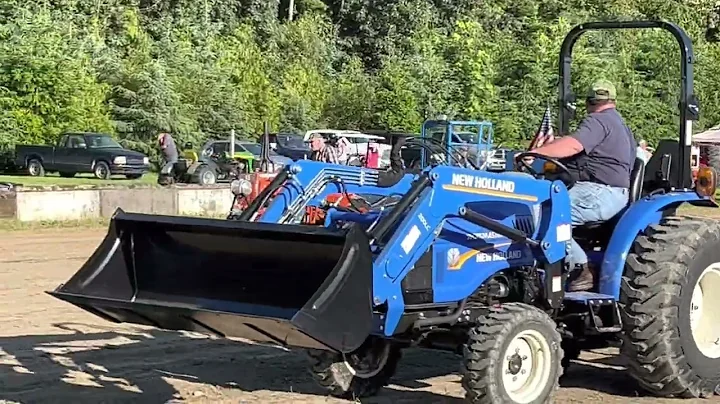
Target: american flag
{"points": [[545, 132]]}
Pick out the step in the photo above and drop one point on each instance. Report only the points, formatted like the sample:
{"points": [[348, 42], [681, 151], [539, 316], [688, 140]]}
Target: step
{"points": [[589, 297]]}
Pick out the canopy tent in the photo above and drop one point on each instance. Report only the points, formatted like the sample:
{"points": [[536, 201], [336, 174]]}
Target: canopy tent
{"points": [[710, 136]]}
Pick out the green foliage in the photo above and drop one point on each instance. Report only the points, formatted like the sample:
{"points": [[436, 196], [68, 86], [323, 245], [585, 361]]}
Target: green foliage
{"points": [[201, 69]]}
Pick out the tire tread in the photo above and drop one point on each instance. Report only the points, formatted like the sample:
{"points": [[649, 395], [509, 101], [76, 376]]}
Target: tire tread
{"points": [[655, 273]]}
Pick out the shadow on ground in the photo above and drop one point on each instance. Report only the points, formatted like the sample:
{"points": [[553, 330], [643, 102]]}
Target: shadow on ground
{"points": [[604, 374], [148, 365], [152, 365]]}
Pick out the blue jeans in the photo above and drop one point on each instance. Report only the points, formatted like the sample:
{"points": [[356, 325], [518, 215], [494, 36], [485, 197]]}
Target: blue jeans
{"points": [[592, 202]]}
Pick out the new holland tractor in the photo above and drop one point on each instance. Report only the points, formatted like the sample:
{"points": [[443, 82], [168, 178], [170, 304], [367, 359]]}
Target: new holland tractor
{"points": [[463, 260]]}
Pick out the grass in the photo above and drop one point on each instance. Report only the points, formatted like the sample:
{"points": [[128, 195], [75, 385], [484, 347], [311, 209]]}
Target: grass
{"points": [[79, 179]]}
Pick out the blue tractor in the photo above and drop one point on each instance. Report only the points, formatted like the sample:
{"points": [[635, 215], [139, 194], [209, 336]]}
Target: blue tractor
{"points": [[469, 142], [464, 260]]}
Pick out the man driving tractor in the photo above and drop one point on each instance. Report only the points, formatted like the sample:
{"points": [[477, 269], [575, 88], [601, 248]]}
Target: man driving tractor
{"points": [[600, 156]]}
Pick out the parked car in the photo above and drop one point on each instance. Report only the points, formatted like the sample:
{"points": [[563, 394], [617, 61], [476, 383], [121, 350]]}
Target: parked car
{"points": [[95, 153], [498, 160], [292, 146]]}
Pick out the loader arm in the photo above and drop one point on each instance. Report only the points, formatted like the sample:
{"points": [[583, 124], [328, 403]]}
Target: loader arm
{"points": [[309, 182]]}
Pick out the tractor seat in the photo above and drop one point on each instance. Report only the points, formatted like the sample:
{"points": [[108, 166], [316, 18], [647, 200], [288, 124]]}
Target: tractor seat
{"points": [[635, 192]]}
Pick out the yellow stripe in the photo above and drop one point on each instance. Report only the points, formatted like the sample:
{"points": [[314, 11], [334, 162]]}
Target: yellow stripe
{"points": [[469, 254], [509, 195]]}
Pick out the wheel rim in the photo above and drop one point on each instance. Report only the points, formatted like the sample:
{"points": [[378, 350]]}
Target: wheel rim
{"points": [[100, 171], [208, 177], [34, 168], [527, 364], [704, 317], [368, 362]]}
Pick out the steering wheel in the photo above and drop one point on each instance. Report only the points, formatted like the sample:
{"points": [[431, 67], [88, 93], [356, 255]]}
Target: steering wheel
{"points": [[567, 178]]}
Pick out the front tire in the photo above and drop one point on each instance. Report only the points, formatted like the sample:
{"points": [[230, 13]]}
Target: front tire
{"points": [[359, 374], [102, 170], [669, 297], [513, 355]]}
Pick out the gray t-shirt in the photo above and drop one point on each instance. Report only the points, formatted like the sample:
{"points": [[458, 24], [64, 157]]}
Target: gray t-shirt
{"points": [[170, 151], [610, 147]]}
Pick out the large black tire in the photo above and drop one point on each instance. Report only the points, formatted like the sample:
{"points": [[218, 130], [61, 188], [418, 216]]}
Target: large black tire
{"points": [[35, 168], [713, 154], [206, 176], [339, 379], [485, 359], [661, 272]]}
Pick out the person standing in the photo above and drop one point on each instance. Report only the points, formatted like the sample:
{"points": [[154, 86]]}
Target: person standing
{"points": [[642, 151], [169, 151], [321, 151]]}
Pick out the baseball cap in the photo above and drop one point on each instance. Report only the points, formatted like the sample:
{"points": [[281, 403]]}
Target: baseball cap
{"points": [[602, 90]]}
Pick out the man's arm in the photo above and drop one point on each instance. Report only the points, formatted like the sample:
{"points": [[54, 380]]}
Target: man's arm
{"points": [[590, 133], [560, 148]]}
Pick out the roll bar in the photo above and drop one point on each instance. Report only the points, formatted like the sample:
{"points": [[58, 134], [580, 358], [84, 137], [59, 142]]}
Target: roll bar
{"points": [[689, 109]]}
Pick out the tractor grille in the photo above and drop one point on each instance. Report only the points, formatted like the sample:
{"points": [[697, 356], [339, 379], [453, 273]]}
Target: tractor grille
{"points": [[524, 224]]}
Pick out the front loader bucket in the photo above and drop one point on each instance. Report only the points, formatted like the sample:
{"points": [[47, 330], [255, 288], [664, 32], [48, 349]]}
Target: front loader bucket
{"points": [[299, 286]]}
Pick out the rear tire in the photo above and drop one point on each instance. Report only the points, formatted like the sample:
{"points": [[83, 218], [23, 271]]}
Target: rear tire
{"points": [[343, 377], [35, 168], [206, 176], [660, 299], [513, 355]]}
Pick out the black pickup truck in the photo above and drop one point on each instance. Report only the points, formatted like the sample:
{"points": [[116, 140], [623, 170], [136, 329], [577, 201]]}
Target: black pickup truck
{"points": [[95, 153]]}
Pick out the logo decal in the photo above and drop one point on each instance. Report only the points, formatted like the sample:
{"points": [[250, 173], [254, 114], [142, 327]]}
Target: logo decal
{"points": [[453, 257], [493, 184]]}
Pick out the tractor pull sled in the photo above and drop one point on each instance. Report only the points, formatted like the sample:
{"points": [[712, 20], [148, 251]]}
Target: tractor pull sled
{"points": [[464, 260]]}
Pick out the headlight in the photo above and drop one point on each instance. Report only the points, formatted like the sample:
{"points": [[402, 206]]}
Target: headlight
{"points": [[120, 160], [146, 161], [241, 187]]}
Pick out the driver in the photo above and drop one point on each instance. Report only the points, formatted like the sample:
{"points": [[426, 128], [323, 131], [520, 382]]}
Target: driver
{"points": [[600, 156]]}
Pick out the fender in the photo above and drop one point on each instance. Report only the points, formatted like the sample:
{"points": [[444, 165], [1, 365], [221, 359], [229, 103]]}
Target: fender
{"points": [[643, 213]]}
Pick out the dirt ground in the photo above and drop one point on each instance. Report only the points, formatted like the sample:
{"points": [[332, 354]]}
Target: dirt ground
{"points": [[51, 351]]}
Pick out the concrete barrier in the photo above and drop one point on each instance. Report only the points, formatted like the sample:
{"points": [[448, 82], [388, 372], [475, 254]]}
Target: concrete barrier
{"points": [[203, 202], [58, 205], [150, 200]]}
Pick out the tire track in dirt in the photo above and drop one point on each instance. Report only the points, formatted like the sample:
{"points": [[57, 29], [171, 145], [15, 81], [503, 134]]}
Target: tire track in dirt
{"points": [[51, 351]]}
